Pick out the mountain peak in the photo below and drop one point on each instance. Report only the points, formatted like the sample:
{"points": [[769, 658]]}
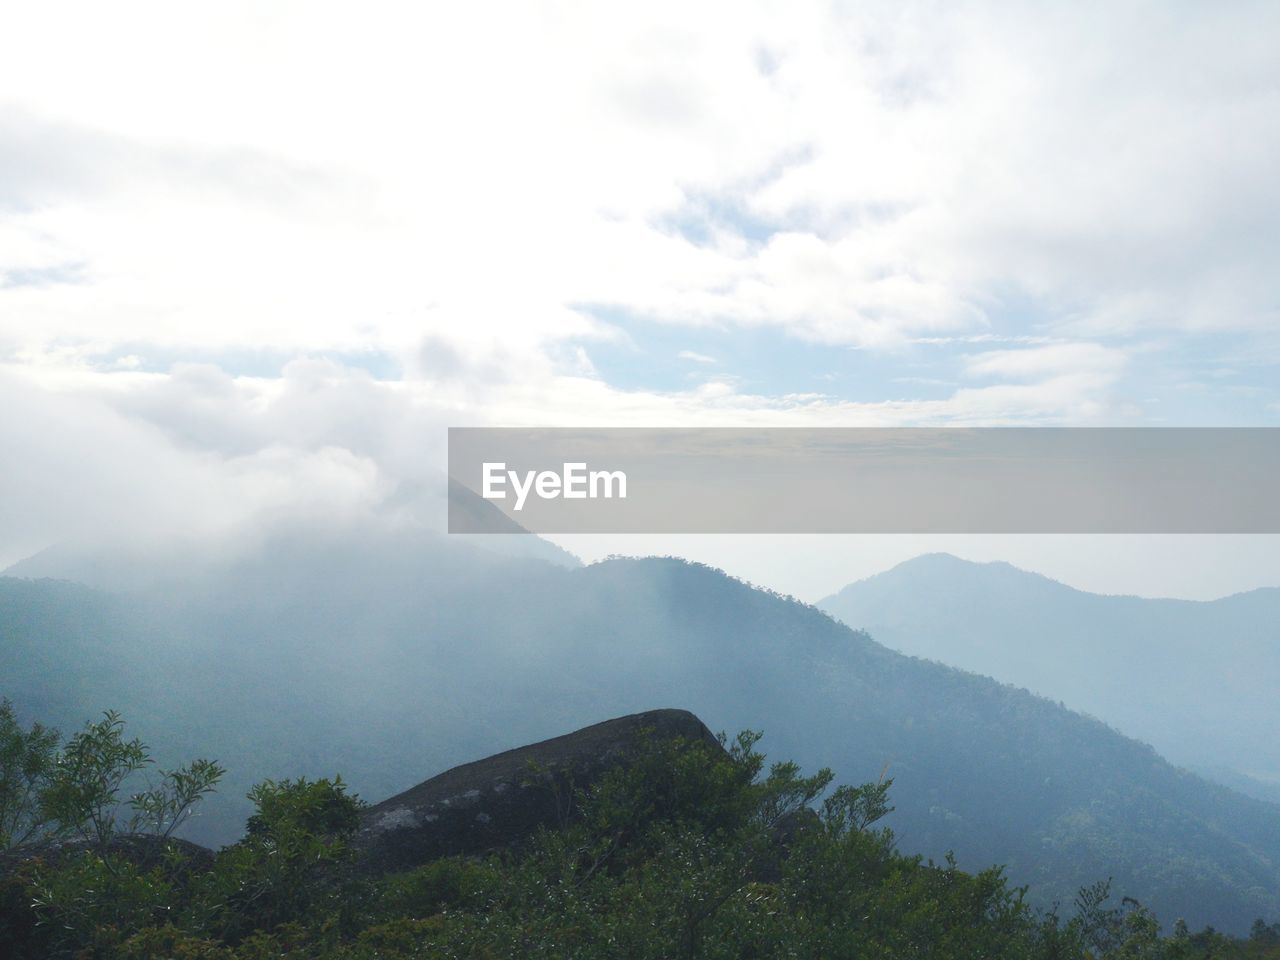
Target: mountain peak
{"points": [[947, 572]]}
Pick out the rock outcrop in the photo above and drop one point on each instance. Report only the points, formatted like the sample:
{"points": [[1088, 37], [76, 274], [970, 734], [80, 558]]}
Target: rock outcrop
{"points": [[501, 801]]}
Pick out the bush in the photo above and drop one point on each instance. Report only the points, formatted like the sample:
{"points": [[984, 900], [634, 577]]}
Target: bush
{"points": [[92, 901], [447, 884], [289, 865]]}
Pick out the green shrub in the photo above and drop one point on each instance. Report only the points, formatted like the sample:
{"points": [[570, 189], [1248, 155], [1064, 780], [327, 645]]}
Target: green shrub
{"points": [[90, 901], [290, 864], [441, 885]]}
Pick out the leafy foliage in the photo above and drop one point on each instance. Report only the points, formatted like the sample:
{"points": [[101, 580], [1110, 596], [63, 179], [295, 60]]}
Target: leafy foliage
{"points": [[290, 863], [84, 791], [82, 794], [684, 851], [27, 759], [86, 900], [166, 806]]}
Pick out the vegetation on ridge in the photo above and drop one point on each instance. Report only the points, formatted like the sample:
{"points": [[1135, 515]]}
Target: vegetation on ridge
{"points": [[686, 850]]}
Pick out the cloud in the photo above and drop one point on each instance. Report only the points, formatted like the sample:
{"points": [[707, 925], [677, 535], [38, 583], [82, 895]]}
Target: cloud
{"points": [[199, 453], [1046, 206], [1034, 363], [77, 468], [856, 176]]}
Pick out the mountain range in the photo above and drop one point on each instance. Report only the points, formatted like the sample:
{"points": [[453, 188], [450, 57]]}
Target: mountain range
{"points": [[1195, 679], [390, 655]]}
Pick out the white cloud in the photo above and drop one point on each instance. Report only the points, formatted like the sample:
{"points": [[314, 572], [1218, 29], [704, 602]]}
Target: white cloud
{"points": [[1089, 359], [76, 467], [309, 179], [472, 193]]}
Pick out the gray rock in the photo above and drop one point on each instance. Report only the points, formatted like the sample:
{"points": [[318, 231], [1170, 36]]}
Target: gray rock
{"points": [[501, 801]]}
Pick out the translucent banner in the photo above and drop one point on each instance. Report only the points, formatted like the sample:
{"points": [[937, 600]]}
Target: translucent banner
{"points": [[910, 480]]}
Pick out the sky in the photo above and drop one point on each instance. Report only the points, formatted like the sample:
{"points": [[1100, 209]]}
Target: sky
{"points": [[255, 257]]}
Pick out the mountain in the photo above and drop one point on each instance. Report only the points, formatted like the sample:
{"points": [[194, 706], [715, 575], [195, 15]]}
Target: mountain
{"points": [[390, 656], [1197, 680]]}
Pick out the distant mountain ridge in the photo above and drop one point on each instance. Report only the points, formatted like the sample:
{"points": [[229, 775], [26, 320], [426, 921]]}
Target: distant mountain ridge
{"points": [[1196, 679], [388, 657]]}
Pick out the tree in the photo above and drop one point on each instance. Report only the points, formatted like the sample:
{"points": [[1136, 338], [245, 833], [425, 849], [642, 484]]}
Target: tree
{"points": [[84, 899], [82, 794], [26, 762]]}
